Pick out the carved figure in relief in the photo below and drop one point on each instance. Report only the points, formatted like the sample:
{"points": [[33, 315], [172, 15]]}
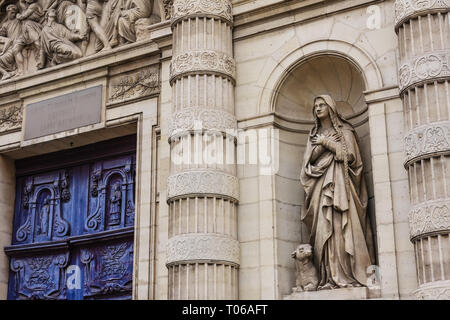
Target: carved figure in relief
{"points": [[68, 30], [70, 13], [44, 215], [129, 12], [94, 10], [31, 17], [336, 200], [115, 205], [10, 31], [306, 276], [56, 42]]}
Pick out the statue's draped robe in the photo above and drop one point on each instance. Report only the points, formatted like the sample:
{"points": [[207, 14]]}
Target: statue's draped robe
{"points": [[56, 43], [31, 26], [115, 25], [338, 222], [12, 30], [67, 9], [135, 9]]}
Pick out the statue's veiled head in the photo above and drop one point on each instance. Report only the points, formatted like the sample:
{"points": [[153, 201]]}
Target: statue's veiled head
{"points": [[321, 103], [325, 106]]}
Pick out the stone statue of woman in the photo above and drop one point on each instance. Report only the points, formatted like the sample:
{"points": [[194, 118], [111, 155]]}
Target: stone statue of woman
{"points": [[336, 200]]}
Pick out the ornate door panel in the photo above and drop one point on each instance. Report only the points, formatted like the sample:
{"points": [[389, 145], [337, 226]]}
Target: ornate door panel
{"points": [[73, 230]]}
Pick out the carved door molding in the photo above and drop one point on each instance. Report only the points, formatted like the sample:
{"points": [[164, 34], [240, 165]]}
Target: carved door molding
{"points": [[74, 224]]}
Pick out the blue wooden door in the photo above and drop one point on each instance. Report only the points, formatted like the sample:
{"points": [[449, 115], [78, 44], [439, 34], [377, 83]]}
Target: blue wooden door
{"points": [[74, 225]]}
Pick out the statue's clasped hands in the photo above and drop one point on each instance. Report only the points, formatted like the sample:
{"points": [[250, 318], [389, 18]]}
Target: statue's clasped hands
{"points": [[318, 139], [321, 139]]}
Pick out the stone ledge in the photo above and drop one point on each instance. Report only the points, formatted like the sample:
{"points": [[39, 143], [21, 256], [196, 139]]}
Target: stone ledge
{"points": [[336, 294]]}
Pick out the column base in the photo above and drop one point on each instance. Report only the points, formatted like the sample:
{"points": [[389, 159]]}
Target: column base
{"points": [[437, 290]]}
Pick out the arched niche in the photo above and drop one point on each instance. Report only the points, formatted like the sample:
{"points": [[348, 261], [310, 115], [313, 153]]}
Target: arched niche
{"points": [[321, 74], [341, 78]]}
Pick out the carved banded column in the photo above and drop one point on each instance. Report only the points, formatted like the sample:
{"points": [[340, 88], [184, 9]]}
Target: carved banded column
{"points": [[203, 191], [423, 29]]}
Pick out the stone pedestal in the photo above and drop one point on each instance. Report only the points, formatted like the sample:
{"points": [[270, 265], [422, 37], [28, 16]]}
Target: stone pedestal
{"points": [[336, 294]]}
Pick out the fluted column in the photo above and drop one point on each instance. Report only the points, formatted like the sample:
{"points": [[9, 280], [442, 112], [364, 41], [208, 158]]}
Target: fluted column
{"points": [[423, 29], [203, 251]]}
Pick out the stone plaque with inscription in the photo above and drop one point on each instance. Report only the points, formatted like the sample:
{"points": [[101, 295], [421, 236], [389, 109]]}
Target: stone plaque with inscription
{"points": [[66, 112]]}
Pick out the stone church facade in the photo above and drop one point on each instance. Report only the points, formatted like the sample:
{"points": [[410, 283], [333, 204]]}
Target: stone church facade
{"points": [[152, 149]]}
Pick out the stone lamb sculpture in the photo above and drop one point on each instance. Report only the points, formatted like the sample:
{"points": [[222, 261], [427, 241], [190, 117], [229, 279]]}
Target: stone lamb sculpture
{"points": [[306, 275]]}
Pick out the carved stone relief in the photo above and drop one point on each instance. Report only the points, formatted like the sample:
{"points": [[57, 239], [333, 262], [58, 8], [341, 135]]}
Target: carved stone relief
{"points": [[438, 291], [429, 217], [426, 140], [207, 61], [136, 84], [209, 119], [407, 8], [10, 118], [220, 8], [168, 4], [36, 34], [203, 182], [194, 247], [424, 68]]}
